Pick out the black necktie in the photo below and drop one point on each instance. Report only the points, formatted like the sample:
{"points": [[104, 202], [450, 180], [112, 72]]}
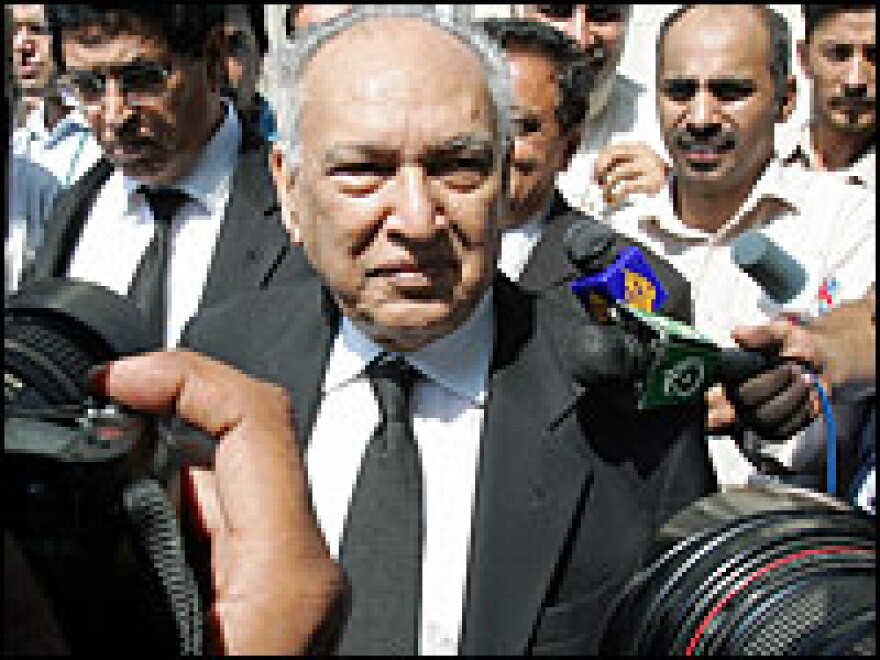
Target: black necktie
{"points": [[150, 278], [382, 542]]}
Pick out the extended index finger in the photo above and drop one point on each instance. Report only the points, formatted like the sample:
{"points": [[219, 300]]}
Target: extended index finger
{"points": [[204, 392]]}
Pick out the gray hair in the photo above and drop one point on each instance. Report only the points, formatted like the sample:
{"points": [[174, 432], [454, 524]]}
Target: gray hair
{"points": [[287, 63], [780, 44]]}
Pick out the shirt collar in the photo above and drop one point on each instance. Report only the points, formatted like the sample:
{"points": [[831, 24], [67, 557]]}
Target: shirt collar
{"points": [[799, 151], [208, 181], [771, 191], [458, 362], [35, 125]]}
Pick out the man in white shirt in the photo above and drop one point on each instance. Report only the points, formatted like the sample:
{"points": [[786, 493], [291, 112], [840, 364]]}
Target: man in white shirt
{"points": [[618, 156], [392, 178], [723, 83], [181, 211], [54, 135], [839, 58]]}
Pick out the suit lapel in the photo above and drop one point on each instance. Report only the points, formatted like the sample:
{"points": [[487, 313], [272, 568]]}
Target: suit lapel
{"points": [[296, 355], [252, 239], [532, 476], [65, 223], [548, 265]]}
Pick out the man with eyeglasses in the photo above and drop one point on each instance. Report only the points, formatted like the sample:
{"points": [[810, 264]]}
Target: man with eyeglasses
{"points": [[723, 85], [181, 211], [839, 58], [246, 45], [618, 156]]}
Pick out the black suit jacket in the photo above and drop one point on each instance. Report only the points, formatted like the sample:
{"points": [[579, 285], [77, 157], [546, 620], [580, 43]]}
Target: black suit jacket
{"points": [[252, 249], [549, 268], [569, 492]]}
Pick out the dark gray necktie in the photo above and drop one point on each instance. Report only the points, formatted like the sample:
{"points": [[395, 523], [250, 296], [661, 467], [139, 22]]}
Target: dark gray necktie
{"points": [[382, 541], [148, 288]]}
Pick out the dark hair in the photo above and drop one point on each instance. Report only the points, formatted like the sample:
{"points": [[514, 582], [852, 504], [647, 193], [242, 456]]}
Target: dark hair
{"points": [[780, 44], [185, 28], [574, 80], [257, 16], [289, 18], [815, 14]]}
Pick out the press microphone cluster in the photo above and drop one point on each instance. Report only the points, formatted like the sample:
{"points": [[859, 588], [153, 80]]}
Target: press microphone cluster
{"points": [[669, 362]]}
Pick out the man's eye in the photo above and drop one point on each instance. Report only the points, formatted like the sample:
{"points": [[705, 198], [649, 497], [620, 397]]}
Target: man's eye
{"points": [[461, 171], [86, 83], [526, 125], [142, 77], [731, 90], [362, 169], [839, 52], [680, 90], [871, 54]]}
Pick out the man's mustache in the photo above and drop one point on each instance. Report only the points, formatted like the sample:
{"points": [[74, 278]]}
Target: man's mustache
{"points": [[724, 141]]}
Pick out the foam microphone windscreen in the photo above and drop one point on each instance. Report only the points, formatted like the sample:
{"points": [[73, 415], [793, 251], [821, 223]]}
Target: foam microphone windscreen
{"points": [[778, 274], [589, 244]]}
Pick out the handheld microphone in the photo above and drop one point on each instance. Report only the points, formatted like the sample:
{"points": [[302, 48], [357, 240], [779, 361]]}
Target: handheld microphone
{"points": [[670, 363], [789, 289], [624, 277]]}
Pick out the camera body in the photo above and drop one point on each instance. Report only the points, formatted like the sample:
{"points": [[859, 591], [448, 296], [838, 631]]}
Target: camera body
{"points": [[80, 494]]}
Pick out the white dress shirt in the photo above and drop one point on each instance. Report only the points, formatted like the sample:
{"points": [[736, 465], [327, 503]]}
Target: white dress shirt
{"points": [[120, 227], [448, 409], [68, 150], [827, 226], [518, 243]]}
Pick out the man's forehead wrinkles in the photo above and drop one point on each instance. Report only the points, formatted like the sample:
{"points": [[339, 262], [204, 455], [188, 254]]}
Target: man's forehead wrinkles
{"points": [[456, 143]]}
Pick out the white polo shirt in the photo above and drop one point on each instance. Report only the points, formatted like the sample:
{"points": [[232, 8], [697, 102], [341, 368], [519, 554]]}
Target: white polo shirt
{"points": [[827, 226]]}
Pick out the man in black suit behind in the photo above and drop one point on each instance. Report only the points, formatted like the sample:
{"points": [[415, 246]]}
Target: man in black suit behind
{"points": [[146, 77], [537, 501], [551, 87]]}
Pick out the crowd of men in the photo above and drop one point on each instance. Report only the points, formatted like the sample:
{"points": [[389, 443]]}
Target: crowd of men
{"points": [[382, 234]]}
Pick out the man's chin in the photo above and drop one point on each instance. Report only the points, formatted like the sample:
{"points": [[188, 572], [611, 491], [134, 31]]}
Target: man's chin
{"points": [[411, 325]]}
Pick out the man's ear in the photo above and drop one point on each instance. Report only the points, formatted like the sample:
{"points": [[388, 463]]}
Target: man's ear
{"points": [[573, 140], [284, 177], [788, 101]]}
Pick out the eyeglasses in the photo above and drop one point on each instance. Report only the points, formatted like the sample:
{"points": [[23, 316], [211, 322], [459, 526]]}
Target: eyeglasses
{"points": [[142, 83], [595, 13]]}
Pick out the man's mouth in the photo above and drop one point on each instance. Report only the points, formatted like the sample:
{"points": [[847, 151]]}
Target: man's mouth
{"points": [[706, 155], [407, 273]]}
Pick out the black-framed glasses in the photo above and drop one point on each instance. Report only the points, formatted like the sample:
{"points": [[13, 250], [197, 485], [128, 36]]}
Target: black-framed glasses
{"points": [[595, 13], [141, 83]]}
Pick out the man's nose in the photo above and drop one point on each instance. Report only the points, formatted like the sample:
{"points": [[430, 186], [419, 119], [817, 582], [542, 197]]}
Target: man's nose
{"points": [[702, 111], [413, 214], [857, 75], [116, 108]]}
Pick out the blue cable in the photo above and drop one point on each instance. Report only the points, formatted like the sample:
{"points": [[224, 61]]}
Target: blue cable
{"points": [[830, 437]]}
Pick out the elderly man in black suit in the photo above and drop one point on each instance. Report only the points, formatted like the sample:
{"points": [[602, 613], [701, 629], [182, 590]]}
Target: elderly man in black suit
{"points": [[181, 210], [478, 499], [551, 86]]}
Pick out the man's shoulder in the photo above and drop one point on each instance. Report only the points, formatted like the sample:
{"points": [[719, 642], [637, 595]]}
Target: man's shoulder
{"points": [[822, 193], [250, 321]]}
